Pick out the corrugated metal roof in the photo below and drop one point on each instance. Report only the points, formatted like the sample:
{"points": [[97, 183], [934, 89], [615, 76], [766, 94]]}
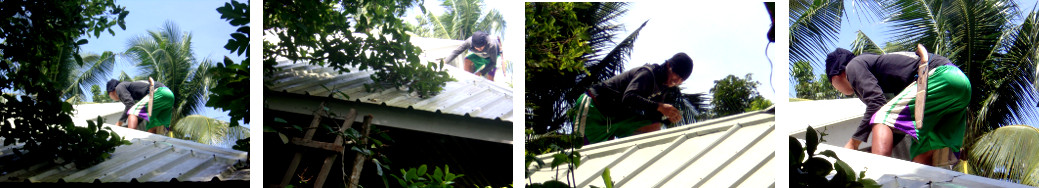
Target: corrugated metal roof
{"points": [[733, 151], [839, 118], [151, 158], [468, 96]]}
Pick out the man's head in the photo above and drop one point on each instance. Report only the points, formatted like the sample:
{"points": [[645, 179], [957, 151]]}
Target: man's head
{"points": [[680, 66], [836, 61], [479, 40], [110, 87]]}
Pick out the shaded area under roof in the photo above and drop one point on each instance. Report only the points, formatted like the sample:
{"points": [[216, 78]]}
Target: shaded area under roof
{"points": [[151, 158], [733, 151]]}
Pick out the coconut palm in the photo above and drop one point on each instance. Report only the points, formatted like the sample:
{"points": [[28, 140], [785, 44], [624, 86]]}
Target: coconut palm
{"points": [[981, 38], [814, 25], [1007, 153], [167, 56], [210, 131], [75, 76], [460, 19]]}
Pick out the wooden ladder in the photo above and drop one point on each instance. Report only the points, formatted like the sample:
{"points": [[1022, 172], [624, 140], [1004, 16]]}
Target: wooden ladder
{"points": [[332, 149]]}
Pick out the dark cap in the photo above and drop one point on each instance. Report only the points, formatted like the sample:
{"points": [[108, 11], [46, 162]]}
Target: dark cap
{"points": [[836, 61], [111, 85], [479, 39], [681, 64]]}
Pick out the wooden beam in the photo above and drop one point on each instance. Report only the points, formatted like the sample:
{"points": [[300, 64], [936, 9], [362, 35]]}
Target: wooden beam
{"points": [[355, 174], [332, 147]]}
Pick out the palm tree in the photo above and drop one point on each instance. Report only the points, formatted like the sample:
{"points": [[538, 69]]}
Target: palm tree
{"points": [[1007, 153], [997, 55], [548, 100], [74, 76], [460, 19], [167, 56], [209, 131], [814, 25]]}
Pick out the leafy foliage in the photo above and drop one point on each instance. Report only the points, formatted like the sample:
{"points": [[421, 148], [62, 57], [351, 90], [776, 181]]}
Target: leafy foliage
{"points": [[38, 117], [810, 87], [418, 178], [233, 79], [461, 18], [99, 95], [733, 95], [810, 168], [368, 34]]}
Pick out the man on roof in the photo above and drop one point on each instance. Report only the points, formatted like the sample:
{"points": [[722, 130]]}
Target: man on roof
{"points": [[887, 84], [134, 95], [632, 102], [483, 54]]}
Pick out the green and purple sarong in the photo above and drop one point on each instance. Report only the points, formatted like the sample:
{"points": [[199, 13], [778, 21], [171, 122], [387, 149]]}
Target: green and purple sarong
{"points": [[596, 127], [161, 113], [948, 93]]}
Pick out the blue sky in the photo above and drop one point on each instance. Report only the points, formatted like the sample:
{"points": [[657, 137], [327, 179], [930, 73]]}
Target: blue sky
{"points": [[730, 40], [878, 31], [199, 17]]}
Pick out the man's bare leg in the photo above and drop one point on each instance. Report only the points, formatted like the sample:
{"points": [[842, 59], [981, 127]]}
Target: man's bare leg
{"points": [[468, 66], [131, 122], [882, 139], [853, 144], [924, 158], [154, 130]]}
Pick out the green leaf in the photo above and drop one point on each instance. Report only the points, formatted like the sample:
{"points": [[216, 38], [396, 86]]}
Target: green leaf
{"points": [[811, 141], [438, 174], [284, 139], [796, 153], [606, 179], [558, 159], [829, 153], [421, 170], [818, 166]]}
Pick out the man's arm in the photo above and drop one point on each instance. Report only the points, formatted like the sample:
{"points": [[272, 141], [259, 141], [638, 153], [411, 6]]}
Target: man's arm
{"points": [[465, 46], [125, 98], [870, 93], [641, 85]]}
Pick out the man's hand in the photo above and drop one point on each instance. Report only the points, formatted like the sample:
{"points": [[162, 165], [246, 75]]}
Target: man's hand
{"points": [[671, 112]]}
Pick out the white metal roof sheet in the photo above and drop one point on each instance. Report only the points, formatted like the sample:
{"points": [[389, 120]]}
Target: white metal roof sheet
{"points": [[732, 151], [151, 157], [468, 96]]}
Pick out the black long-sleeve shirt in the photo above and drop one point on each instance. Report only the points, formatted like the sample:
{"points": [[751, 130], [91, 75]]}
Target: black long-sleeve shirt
{"points": [[633, 92], [491, 52], [872, 76], [131, 92]]}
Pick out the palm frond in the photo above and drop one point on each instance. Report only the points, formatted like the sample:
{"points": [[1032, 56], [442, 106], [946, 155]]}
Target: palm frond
{"points": [[209, 131], [613, 62], [813, 28], [1008, 153], [863, 44]]}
